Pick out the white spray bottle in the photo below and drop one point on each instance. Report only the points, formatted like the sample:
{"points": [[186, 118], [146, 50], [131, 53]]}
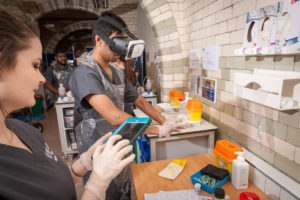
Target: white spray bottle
{"points": [[186, 98], [240, 172]]}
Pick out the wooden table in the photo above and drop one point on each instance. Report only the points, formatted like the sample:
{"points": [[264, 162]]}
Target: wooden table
{"points": [[146, 179]]}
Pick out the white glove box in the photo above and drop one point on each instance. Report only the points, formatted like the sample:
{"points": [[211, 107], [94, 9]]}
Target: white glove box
{"points": [[276, 89]]}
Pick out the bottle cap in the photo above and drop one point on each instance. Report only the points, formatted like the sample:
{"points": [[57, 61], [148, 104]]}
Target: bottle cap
{"points": [[219, 193], [240, 155]]}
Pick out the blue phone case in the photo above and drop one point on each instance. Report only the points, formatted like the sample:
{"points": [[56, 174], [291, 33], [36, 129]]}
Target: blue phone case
{"points": [[143, 124]]}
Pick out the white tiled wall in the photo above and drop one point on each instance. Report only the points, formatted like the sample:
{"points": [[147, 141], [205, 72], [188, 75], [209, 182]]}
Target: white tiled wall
{"points": [[259, 179], [272, 189], [267, 183], [284, 195], [269, 187]]}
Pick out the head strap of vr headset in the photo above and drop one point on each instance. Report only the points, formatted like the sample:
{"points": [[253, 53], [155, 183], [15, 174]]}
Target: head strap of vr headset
{"points": [[111, 21]]}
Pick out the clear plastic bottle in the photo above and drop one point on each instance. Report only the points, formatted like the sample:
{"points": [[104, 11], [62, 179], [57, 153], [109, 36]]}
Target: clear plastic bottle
{"points": [[61, 91], [240, 172], [186, 99], [148, 86]]}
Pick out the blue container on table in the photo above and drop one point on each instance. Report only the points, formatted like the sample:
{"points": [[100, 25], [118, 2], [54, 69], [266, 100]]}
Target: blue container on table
{"points": [[205, 187]]}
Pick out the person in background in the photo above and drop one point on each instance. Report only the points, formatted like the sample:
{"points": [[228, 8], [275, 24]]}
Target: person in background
{"points": [[28, 167], [126, 66], [100, 90], [79, 51], [136, 68], [57, 74]]}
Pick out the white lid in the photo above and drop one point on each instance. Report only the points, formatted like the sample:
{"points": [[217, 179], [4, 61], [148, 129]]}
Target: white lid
{"points": [[240, 155]]}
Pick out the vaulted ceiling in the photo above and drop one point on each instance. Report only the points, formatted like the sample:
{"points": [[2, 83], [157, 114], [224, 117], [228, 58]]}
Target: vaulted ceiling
{"points": [[54, 23]]}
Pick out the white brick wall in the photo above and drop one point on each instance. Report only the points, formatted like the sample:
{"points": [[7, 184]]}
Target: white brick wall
{"points": [[214, 113], [272, 189], [241, 22], [179, 77], [236, 36], [224, 15], [297, 155], [167, 77], [243, 7], [222, 27], [154, 13], [232, 24], [215, 7], [278, 145], [222, 39], [162, 17], [260, 4]]}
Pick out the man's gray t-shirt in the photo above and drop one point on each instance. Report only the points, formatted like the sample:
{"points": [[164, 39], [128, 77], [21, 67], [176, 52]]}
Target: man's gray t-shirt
{"points": [[85, 81], [56, 75]]}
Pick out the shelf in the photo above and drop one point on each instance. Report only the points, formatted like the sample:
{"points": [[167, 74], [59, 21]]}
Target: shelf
{"points": [[268, 51], [65, 113]]}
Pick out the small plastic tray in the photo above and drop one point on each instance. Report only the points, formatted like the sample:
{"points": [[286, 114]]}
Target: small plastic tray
{"points": [[205, 187]]}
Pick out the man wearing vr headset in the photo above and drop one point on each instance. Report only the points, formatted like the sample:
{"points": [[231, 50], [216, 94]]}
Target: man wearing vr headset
{"points": [[100, 90]]}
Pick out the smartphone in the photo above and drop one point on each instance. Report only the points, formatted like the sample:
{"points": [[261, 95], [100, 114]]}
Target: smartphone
{"points": [[132, 128]]}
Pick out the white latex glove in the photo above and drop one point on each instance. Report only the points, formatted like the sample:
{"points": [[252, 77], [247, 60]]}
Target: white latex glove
{"points": [[108, 162], [166, 129], [86, 157], [182, 122], [172, 124]]}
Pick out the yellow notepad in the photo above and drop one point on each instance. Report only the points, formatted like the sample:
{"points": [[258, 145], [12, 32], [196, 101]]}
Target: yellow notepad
{"points": [[173, 169]]}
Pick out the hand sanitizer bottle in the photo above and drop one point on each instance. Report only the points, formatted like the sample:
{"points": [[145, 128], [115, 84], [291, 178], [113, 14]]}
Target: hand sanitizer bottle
{"points": [[240, 172], [148, 86], [61, 91]]}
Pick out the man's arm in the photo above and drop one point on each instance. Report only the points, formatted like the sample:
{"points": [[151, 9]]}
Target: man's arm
{"points": [[51, 88], [111, 113], [149, 110], [105, 107]]}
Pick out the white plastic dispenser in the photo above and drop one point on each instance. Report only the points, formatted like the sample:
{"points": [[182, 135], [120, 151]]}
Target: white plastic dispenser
{"points": [[276, 89], [240, 172], [61, 91], [148, 85]]}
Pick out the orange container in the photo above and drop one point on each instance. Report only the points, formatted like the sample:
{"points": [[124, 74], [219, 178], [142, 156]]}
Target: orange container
{"points": [[174, 97], [194, 110], [224, 154]]}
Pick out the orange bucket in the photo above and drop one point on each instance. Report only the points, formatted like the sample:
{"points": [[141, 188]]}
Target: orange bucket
{"points": [[174, 97], [194, 110], [224, 154]]}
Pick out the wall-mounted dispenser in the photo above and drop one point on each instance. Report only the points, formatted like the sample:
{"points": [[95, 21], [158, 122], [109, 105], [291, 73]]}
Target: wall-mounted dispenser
{"points": [[273, 29]]}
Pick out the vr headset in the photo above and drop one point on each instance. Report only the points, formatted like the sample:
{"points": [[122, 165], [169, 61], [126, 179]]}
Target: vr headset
{"points": [[126, 48]]}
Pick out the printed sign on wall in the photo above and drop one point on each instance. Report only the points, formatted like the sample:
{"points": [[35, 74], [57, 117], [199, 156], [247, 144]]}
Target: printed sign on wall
{"points": [[209, 89], [210, 58], [195, 58]]}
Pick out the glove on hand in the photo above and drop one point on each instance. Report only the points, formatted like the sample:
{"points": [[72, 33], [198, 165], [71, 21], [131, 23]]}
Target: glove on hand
{"points": [[172, 124], [85, 158], [166, 128], [182, 122], [108, 162]]}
